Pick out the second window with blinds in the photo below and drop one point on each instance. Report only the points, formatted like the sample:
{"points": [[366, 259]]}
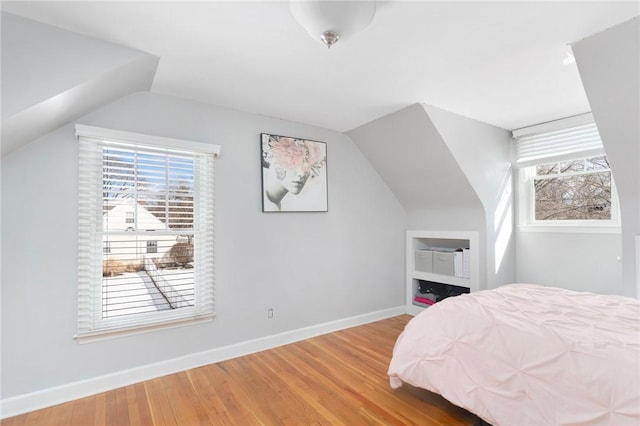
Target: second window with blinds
{"points": [[146, 231], [565, 180]]}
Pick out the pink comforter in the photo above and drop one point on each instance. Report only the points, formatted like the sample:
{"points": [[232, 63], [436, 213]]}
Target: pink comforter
{"points": [[528, 355]]}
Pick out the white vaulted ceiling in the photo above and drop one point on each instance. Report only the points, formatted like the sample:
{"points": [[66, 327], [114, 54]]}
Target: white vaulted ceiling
{"points": [[496, 62]]}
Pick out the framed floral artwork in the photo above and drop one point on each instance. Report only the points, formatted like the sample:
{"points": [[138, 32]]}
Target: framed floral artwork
{"points": [[294, 174]]}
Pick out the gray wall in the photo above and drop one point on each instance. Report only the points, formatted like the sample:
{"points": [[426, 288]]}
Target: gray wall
{"points": [[609, 65], [451, 173], [311, 268], [575, 261], [483, 153], [581, 261]]}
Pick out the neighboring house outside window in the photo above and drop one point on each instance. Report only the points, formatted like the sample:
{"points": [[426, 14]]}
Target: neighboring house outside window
{"points": [[155, 196], [565, 181]]}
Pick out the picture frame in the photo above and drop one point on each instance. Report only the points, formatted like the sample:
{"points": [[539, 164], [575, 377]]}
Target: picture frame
{"points": [[294, 174]]}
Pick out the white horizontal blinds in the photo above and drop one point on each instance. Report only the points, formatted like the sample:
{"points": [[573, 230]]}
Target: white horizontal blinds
{"points": [[152, 233], [89, 231], [573, 141], [159, 183], [204, 217], [148, 262]]}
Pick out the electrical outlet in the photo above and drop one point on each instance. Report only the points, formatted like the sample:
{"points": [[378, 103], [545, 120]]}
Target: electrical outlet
{"points": [[270, 313]]}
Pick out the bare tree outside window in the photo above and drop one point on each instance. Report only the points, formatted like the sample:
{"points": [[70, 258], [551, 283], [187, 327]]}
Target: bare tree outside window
{"points": [[573, 190]]}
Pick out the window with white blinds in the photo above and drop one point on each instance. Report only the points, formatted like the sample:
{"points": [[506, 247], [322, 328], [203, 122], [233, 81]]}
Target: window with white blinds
{"points": [[146, 229], [564, 175], [566, 139]]}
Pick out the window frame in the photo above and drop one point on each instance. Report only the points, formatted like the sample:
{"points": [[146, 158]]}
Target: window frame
{"points": [[91, 325], [526, 217], [525, 169]]}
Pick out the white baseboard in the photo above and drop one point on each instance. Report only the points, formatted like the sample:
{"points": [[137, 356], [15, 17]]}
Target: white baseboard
{"points": [[57, 395]]}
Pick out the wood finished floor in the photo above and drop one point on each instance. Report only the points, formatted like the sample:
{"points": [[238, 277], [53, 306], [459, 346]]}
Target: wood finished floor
{"points": [[334, 379]]}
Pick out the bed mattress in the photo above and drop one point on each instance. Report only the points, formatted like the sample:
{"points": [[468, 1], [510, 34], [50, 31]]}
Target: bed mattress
{"points": [[526, 354]]}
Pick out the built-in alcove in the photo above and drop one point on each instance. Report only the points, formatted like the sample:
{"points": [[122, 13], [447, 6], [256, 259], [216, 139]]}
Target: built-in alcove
{"points": [[442, 279]]}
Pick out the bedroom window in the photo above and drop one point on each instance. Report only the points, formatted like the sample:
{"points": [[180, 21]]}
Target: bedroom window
{"points": [[565, 181], [150, 200]]}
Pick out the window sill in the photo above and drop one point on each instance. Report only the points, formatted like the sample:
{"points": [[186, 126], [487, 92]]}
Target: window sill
{"points": [[571, 229], [97, 336]]}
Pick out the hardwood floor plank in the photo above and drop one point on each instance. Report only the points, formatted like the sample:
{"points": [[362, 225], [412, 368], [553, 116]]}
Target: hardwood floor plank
{"points": [[223, 400], [187, 405], [334, 379], [35, 418], [100, 410], [348, 405], [359, 386], [137, 405], [159, 404], [84, 411], [299, 402], [270, 395], [117, 412], [302, 383]]}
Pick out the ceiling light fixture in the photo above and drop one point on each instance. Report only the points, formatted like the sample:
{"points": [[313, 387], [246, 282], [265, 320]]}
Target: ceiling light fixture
{"points": [[331, 21]]}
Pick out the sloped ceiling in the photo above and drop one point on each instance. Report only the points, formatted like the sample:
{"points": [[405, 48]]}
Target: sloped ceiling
{"points": [[609, 64], [414, 161], [499, 62], [51, 76], [482, 152]]}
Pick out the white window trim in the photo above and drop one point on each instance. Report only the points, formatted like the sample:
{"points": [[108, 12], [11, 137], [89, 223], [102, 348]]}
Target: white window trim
{"points": [[551, 126], [148, 140], [525, 168], [526, 214], [89, 263]]}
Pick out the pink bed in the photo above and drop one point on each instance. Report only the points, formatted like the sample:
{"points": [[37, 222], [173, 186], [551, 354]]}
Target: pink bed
{"points": [[526, 354]]}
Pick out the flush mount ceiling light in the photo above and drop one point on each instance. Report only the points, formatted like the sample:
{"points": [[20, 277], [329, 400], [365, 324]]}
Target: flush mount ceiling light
{"points": [[330, 21]]}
